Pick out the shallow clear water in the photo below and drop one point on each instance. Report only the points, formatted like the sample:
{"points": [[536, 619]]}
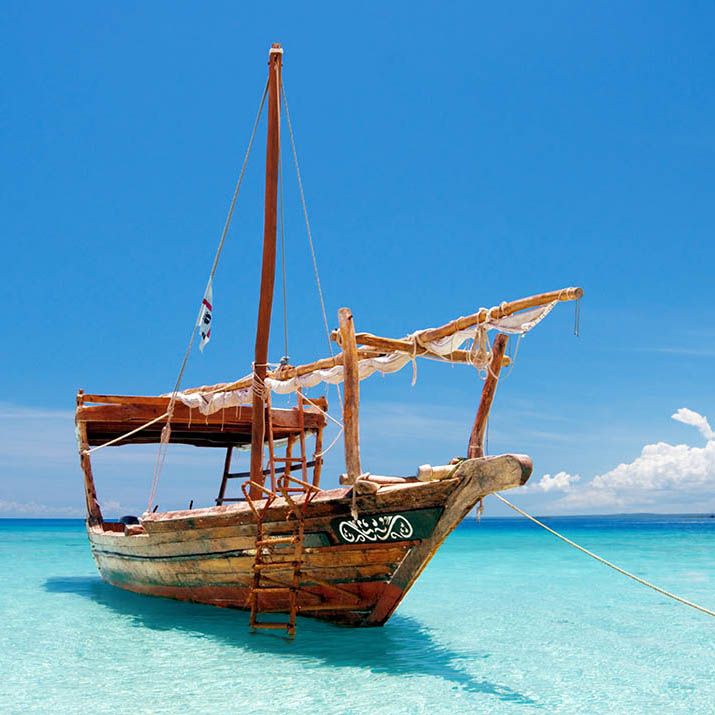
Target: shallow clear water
{"points": [[504, 619]]}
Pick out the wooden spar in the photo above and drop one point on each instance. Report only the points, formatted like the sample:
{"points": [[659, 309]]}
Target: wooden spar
{"points": [[287, 372], [351, 397], [499, 312], [268, 271], [382, 346], [379, 345], [476, 439], [94, 512], [424, 336]]}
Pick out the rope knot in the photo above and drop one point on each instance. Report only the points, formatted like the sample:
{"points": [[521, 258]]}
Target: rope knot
{"points": [[259, 387]]}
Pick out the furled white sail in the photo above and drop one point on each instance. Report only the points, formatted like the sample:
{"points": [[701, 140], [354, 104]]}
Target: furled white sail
{"points": [[517, 324]]}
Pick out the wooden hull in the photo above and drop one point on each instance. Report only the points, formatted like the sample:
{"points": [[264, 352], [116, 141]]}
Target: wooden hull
{"points": [[354, 572]]}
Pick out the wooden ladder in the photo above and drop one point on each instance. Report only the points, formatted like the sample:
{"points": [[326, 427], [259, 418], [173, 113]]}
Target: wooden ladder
{"points": [[272, 553], [292, 463]]}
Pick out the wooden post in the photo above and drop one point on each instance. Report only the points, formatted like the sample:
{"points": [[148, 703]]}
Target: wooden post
{"points": [[476, 439], [318, 459], [268, 272], [351, 397], [225, 478], [94, 512]]}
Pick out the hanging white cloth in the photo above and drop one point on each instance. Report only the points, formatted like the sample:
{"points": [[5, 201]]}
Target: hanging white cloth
{"points": [[209, 402]]}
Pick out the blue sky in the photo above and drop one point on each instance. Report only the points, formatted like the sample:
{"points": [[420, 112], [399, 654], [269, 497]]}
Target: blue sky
{"points": [[454, 155]]}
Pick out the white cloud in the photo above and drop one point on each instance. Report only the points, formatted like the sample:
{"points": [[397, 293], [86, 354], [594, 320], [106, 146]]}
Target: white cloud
{"points": [[689, 417], [660, 468], [663, 466], [112, 508], [34, 510], [559, 482], [591, 499]]}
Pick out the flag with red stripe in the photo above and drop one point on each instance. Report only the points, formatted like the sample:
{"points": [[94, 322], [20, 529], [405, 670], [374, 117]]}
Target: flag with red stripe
{"points": [[205, 316]]}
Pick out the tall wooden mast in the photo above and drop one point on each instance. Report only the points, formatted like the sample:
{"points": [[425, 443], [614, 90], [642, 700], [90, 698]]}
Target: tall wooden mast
{"points": [[265, 303]]}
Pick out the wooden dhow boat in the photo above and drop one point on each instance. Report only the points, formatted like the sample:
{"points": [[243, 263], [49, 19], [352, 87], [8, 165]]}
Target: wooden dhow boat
{"points": [[346, 555]]}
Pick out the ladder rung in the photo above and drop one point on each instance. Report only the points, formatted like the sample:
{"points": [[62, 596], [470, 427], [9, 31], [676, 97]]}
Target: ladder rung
{"points": [[273, 589], [331, 607], [276, 565], [286, 557], [288, 459], [270, 625], [280, 540], [266, 472]]}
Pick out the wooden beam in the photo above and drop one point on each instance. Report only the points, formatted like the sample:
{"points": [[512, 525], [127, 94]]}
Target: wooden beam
{"points": [[224, 479], [476, 439], [383, 346], [285, 372], [424, 336], [500, 311], [126, 400], [268, 270], [94, 512], [133, 415], [376, 346], [351, 396], [318, 458]]}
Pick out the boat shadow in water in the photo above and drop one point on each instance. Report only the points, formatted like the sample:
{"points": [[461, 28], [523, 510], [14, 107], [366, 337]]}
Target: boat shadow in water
{"points": [[402, 647]]}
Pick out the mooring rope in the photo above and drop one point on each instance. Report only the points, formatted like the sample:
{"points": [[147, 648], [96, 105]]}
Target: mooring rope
{"points": [[606, 563]]}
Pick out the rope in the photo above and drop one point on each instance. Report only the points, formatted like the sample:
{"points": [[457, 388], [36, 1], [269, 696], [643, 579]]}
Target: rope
{"points": [[124, 436], [166, 432], [238, 185], [513, 356], [606, 563], [285, 359], [310, 235], [332, 444], [339, 424], [258, 386], [317, 407]]}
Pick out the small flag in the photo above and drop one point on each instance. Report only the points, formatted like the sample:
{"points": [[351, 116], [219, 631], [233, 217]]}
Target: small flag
{"points": [[204, 323]]}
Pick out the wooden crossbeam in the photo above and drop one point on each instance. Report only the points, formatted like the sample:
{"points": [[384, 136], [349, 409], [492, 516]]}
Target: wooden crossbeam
{"points": [[425, 336]]}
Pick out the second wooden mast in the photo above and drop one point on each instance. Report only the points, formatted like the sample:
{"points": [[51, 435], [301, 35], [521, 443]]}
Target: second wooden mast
{"points": [[265, 305]]}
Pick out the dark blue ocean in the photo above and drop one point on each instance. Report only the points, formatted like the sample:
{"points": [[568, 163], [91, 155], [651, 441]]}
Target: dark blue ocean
{"points": [[505, 619]]}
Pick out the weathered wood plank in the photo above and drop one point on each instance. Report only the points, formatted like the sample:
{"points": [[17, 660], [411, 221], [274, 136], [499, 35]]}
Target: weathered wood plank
{"points": [[229, 417]]}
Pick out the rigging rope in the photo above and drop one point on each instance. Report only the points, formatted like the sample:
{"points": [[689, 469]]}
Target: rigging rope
{"points": [[310, 235], [286, 358], [124, 436], [603, 561], [166, 431], [330, 417]]}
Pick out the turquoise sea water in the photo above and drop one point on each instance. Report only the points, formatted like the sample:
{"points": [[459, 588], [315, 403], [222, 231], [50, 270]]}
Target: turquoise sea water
{"points": [[505, 619]]}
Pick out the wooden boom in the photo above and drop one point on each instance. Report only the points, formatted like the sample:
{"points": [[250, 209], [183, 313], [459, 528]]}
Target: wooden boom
{"points": [[377, 345], [430, 334], [286, 372]]}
